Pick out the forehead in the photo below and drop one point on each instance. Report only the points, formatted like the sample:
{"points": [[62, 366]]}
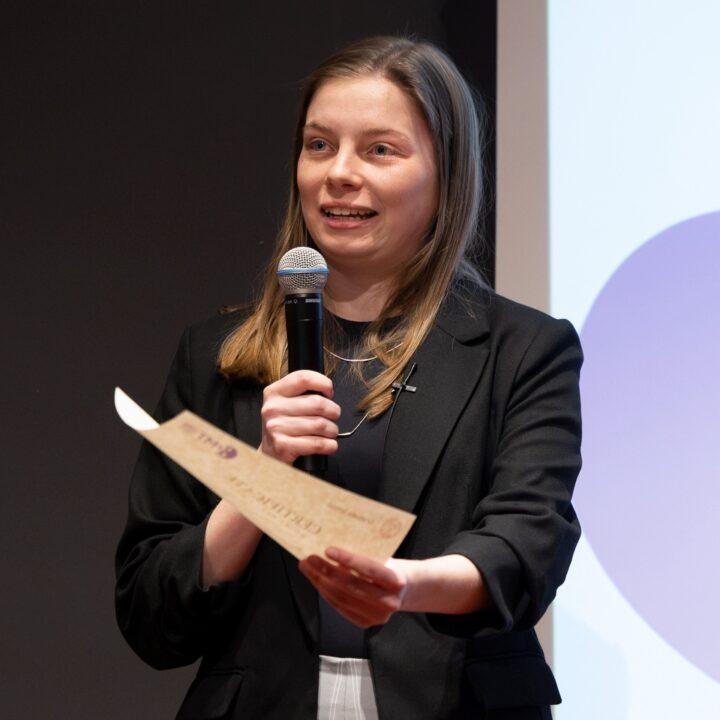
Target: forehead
{"points": [[370, 101]]}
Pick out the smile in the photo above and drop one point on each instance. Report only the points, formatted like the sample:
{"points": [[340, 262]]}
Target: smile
{"points": [[347, 213]]}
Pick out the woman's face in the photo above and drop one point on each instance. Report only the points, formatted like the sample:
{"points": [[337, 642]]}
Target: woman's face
{"points": [[367, 174]]}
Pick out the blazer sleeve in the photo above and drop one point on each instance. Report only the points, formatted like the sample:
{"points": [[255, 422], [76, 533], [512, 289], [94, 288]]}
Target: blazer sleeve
{"points": [[524, 530], [161, 608]]}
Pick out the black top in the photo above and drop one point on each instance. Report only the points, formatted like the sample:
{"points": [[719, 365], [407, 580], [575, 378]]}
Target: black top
{"points": [[356, 466]]}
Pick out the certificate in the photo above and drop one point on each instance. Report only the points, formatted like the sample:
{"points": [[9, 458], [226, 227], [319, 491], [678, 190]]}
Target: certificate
{"points": [[300, 512]]}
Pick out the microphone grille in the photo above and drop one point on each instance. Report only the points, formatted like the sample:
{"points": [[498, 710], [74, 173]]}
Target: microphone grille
{"points": [[302, 269]]}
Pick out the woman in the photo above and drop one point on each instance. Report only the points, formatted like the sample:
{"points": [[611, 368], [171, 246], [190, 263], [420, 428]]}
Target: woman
{"points": [[441, 398]]}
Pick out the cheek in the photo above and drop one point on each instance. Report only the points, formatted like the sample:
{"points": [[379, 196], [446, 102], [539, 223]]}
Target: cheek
{"points": [[414, 195], [306, 181]]}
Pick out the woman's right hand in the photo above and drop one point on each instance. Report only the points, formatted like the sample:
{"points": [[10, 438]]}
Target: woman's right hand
{"points": [[295, 424]]}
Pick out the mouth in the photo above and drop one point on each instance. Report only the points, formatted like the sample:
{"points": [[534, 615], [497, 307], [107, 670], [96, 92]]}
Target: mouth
{"points": [[344, 214]]}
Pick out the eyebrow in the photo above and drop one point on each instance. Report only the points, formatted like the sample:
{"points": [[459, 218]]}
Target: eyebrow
{"points": [[371, 132]]}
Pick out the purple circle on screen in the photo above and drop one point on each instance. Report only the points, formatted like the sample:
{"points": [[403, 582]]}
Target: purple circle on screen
{"points": [[649, 495]]}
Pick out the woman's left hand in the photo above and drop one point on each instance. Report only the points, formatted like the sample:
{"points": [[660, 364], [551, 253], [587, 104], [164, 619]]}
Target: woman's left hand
{"points": [[364, 591]]}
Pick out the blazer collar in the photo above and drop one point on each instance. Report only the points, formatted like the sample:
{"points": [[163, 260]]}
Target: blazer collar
{"points": [[465, 317]]}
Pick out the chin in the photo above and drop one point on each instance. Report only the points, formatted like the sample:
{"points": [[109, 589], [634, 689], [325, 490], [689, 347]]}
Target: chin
{"points": [[347, 249]]}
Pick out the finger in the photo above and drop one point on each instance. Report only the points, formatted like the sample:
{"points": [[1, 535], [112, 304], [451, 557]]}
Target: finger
{"points": [[355, 610], [344, 579], [376, 571], [350, 588], [287, 446], [300, 406], [302, 381], [368, 613], [359, 586], [375, 608], [350, 613], [302, 425]]}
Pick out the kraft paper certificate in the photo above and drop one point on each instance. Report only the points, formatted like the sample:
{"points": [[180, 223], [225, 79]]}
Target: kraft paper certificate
{"points": [[303, 514]]}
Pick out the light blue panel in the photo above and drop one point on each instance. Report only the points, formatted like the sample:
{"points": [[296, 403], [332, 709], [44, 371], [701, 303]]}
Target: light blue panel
{"points": [[634, 138]]}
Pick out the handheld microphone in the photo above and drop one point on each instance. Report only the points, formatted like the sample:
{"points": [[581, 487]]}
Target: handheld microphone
{"points": [[302, 274]]}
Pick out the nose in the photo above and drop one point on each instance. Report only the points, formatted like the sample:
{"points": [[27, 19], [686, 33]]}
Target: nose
{"points": [[344, 170]]}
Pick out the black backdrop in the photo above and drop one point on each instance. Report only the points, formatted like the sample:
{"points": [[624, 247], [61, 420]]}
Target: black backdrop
{"points": [[143, 169]]}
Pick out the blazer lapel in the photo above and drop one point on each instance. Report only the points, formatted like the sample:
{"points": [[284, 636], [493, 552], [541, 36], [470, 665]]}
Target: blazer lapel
{"points": [[449, 364]]}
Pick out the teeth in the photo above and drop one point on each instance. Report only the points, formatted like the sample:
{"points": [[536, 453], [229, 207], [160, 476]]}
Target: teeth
{"points": [[346, 212]]}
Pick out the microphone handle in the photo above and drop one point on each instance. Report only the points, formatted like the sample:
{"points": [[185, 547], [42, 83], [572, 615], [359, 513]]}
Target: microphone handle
{"points": [[304, 325]]}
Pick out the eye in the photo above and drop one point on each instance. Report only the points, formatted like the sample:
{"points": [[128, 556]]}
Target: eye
{"points": [[382, 150], [317, 145]]}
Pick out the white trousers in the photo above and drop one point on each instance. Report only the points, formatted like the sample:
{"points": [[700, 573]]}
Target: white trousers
{"points": [[346, 690]]}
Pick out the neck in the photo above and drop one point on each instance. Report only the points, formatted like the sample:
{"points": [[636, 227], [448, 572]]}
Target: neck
{"points": [[356, 297]]}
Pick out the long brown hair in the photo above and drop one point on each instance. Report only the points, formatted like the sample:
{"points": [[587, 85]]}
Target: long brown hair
{"points": [[257, 348]]}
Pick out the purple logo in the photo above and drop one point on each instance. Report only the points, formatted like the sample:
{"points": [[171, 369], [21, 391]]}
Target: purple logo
{"points": [[224, 451], [649, 493]]}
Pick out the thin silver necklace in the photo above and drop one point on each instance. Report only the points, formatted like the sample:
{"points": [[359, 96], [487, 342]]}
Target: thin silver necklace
{"points": [[350, 432], [357, 360]]}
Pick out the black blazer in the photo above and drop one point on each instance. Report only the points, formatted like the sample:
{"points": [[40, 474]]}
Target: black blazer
{"points": [[486, 453]]}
